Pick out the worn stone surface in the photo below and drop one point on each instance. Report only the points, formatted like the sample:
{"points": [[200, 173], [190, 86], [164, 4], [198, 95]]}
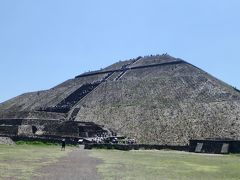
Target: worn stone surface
{"points": [[6, 140], [167, 104]]}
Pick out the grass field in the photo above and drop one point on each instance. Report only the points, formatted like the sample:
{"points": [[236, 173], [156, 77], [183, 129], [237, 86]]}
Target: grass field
{"points": [[22, 161], [166, 165]]}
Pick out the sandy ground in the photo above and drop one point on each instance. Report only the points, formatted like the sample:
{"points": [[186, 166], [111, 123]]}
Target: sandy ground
{"points": [[78, 165]]}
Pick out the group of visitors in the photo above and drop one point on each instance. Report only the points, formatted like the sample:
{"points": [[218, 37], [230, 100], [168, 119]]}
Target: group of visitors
{"points": [[102, 139]]}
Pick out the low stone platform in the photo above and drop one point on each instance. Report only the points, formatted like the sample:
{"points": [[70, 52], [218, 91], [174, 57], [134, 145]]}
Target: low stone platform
{"points": [[127, 147], [214, 146], [6, 140]]}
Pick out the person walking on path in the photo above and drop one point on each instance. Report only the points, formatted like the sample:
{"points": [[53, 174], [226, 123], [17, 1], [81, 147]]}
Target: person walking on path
{"points": [[63, 144]]}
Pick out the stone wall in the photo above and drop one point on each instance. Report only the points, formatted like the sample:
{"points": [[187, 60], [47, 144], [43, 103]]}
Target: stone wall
{"points": [[217, 146], [6, 140], [10, 121], [90, 129], [25, 130], [68, 128], [8, 130]]}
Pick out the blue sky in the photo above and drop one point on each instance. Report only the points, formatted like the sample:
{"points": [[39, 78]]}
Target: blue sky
{"points": [[45, 42]]}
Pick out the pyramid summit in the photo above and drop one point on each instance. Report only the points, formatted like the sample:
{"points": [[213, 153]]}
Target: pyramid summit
{"points": [[154, 99]]}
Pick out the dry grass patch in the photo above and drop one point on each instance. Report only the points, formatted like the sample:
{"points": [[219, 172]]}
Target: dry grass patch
{"points": [[22, 161]]}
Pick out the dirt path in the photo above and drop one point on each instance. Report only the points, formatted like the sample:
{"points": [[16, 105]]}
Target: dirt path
{"points": [[77, 165]]}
